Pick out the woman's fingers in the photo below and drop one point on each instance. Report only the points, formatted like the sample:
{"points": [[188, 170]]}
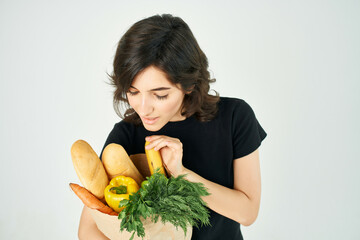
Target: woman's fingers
{"points": [[173, 145], [171, 150], [157, 142], [153, 140]]}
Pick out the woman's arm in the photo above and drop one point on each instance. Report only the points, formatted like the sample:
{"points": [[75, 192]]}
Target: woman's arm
{"points": [[242, 203], [87, 227]]}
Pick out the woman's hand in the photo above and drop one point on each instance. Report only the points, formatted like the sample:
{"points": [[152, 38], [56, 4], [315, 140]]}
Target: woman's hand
{"points": [[171, 151], [240, 203]]}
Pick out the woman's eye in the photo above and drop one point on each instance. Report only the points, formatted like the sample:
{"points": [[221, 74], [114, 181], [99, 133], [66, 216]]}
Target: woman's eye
{"points": [[162, 97], [157, 96], [132, 93]]}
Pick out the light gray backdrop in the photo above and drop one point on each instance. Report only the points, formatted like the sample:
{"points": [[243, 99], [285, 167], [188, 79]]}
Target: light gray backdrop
{"points": [[295, 62]]}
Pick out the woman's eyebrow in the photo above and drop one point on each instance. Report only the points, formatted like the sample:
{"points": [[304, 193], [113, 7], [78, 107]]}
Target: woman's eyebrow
{"points": [[155, 89]]}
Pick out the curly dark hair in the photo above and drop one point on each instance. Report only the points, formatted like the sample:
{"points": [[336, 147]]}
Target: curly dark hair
{"points": [[166, 42]]}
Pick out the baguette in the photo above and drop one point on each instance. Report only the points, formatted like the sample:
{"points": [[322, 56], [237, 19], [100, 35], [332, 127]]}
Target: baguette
{"points": [[117, 162], [90, 200], [89, 168]]}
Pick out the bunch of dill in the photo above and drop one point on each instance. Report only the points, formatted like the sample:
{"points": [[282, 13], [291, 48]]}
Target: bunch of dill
{"points": [[174, 200]]}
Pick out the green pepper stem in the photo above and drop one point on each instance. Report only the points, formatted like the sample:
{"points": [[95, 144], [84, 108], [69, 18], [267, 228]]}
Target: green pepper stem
{"points": [[122, 189]]}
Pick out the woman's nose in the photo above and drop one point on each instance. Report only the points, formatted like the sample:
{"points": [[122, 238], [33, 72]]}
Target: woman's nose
{"points": [[146, 106]]}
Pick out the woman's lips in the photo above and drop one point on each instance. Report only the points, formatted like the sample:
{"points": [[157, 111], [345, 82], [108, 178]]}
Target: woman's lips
{"points": [[149, 120]]}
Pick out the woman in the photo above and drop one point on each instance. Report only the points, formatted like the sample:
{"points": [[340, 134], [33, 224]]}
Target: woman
{"points": [[161, 75]]}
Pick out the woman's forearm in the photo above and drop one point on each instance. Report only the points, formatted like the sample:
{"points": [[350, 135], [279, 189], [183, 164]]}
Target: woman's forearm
{"points": [[231, 203], [87, 227]]}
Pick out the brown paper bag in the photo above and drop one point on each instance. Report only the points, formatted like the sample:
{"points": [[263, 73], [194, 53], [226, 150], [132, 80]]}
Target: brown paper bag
{"points": [[110, 225]]}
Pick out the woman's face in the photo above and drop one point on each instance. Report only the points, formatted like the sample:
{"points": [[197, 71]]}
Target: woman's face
{"points": [[155, 99]]}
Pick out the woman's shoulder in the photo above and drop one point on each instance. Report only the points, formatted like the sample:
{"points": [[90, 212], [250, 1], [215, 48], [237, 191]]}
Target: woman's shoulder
{"points": [[231, 104], [122, 127]]}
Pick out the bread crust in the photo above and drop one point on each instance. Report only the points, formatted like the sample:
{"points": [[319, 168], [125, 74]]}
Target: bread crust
{"points": [[117, 162], [89, 168]]}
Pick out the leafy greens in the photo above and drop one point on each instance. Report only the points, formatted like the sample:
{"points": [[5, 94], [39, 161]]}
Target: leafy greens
{"points": [[174, 200]]}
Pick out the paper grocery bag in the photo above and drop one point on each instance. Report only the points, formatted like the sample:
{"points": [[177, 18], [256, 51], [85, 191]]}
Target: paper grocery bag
{"points": [[110, 225]]}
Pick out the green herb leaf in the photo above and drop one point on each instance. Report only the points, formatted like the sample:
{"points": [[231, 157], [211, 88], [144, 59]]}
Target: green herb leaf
{"points": [[123, 202], [174, 200]]}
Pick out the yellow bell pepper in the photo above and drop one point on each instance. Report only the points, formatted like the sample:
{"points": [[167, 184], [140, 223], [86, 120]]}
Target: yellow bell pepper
{"points": [[119, 188]]}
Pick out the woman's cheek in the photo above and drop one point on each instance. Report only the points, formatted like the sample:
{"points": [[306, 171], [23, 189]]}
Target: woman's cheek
{"points": [[168, 106], [173, 110], [132, 103]]}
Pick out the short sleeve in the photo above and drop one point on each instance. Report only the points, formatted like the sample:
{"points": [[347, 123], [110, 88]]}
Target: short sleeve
{"points": [[120, 134], [247, 131]]}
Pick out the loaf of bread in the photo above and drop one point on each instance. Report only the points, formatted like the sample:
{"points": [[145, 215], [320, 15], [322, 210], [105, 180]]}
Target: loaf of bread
{"points": [[89, 168], [117, 162]]}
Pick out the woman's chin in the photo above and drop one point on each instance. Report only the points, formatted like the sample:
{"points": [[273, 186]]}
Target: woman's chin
{"points": [[152, 127]]}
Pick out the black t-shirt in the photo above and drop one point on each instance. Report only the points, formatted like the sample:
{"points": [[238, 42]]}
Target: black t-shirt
{"points": [[209, 149]]}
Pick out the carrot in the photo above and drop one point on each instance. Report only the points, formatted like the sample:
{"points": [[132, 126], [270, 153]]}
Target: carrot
{"points": [[90, 200]]}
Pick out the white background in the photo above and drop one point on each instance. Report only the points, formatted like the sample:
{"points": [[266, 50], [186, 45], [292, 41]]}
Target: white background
{"points": [[295, 62]]}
